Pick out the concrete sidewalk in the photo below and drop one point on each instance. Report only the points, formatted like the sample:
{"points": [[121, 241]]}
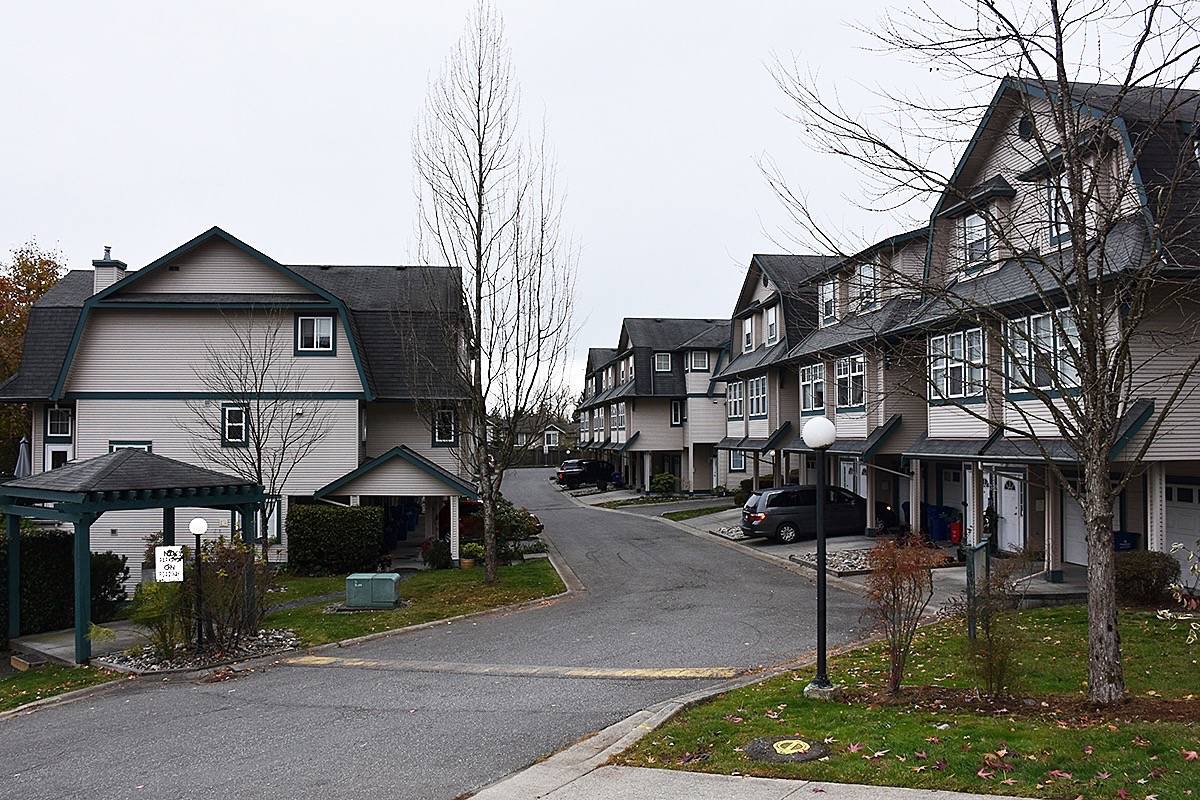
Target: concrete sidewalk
{"points": [[631, 783]]}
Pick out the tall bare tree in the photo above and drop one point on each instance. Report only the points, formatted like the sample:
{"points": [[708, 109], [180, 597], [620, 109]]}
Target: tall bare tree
{"points": [[489, 207], [1115, 146], [278, 417]]}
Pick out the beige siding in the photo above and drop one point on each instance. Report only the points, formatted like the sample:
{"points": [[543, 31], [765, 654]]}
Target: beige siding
{"points": [[851, 425], [706, 419], [150, 350], [903, 394], [758, 428], [1032, 416], [395, 478], [953, 422], [785, 396], [392, 424], [219, 267], [1164, 351], [651, 420]]}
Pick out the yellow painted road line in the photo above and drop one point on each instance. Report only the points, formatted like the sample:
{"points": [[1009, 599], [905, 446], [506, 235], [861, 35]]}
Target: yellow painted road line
{"points": [[518, 670]]}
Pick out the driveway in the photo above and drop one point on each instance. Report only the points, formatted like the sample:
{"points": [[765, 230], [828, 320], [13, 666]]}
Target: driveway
{"points": [[443, 711]]}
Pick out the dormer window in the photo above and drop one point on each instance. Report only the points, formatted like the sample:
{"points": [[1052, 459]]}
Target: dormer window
{"points": [[866, 278], [747, 334], [828, 302], [662, 362], [1058, 195], [975, 240], [622, 372], [772, 324]]}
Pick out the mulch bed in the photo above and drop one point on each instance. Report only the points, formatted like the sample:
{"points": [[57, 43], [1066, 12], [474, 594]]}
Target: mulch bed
{"points": [[267, 642], [1066, 711]]}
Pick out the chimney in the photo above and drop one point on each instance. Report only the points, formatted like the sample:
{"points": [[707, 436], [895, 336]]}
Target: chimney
{"points": [[107, 271]]}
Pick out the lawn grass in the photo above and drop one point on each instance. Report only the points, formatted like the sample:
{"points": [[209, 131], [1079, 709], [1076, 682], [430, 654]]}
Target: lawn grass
{"points": [[692, 513], [20, 688], [297, 587], [1038, 750], [431, 595]]}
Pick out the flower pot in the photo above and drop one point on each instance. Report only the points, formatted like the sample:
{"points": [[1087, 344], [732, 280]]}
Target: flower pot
{"points": [[466, 563]]}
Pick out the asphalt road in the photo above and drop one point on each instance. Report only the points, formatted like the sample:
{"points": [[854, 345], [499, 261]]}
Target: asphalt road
{"points": [[440, 712]]}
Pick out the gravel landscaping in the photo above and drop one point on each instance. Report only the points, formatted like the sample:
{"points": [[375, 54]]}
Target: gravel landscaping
{"points": [[731, 532], [845, 562], [267, 642]]}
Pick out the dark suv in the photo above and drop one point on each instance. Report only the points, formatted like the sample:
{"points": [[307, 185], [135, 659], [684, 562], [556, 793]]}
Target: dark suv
{"points": [[578, 471], [789, 513]]}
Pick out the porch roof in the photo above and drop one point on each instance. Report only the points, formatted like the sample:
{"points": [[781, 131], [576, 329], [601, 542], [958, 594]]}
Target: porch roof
{"points": [[863, 448], [438, 473]]}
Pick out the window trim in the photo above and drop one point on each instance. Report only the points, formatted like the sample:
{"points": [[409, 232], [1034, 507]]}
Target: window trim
{"points": [[742, 456], [812, 380], [1022, 348], [972, 391], [735, 401], [754, 397], [700, 368], [677, 414], [1056, 194], [144, 445], [303, 352], [58, 438], [850, 374], [225, 440], [546, 439], [748, 334], [435, 424], [825, 320], [657, 367], [971, 264], [771, 319]]}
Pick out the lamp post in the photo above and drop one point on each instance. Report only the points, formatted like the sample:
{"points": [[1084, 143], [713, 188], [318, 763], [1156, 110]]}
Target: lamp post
{"points": [[199, 526], [819, 433]]}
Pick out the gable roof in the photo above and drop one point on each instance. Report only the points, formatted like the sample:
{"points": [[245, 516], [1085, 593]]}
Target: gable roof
{"points": [[51, 326], [125, 470], [663, 333], [410, 456]]}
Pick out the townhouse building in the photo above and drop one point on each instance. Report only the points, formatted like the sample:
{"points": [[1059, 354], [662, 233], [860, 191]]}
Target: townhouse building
{"points": [[117, 358], [654, 403]]}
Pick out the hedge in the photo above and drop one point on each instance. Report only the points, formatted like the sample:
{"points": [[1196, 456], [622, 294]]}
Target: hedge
{"points": [[48, 582], [1143, 576], [331, 540]]}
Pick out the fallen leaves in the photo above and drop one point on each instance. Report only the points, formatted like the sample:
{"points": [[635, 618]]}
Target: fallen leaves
{"points": [[1189, 755]]}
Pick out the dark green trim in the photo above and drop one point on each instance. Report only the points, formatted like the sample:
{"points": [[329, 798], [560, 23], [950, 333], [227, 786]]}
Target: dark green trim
{"points": [[410, 456], [116, 444], [743, 455], [46, 437], [816, 412], [210, 304], [851, 409], [1052, 394], [136, 395], [333, 337], [245, 425], [159, 263], [973, 400], [1135, 425]]}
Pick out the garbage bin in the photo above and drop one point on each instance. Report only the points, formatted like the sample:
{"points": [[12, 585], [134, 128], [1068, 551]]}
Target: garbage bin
{"points": [[1125, 540]]}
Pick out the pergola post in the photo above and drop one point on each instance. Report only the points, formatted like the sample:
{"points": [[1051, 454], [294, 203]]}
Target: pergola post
{"points": [[249, 521], [13, 529], [83, 589], [168, 527]]}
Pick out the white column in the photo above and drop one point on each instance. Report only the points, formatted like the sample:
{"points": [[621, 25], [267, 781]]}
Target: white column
{"points": [[688, 471], [754, 473], [1053, 517], [647, 468], [787, 467], [454, 527], [914, 496], [871, 492], [1156, 508], [803, 468]]}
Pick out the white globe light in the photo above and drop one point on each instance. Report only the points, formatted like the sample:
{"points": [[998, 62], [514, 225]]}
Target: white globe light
{"points": [[819, 433], [198, 526]]}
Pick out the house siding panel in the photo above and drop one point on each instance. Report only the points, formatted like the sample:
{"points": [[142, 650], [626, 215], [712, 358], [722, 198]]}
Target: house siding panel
{"points": [[391, 424], [219, 267], [952, 422], [651, 420], [706, 423]]}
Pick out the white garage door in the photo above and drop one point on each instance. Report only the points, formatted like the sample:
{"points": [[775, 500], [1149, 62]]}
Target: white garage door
{"points": [[1075, 534], [1183, 519]]}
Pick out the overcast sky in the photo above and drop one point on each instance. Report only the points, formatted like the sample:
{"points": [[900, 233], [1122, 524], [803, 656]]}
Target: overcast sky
{"points": [[141, 124]]}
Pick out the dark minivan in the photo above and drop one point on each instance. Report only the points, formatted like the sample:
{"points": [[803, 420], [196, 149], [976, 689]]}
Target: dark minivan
{"points": [[789, 513], [575, 472]]}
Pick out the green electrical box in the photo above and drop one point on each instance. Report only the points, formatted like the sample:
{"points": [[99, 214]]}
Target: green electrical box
{"points": [[373, 590]]}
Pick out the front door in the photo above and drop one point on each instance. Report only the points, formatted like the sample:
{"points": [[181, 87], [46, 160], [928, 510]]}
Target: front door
{"points": [[1011, 512], [58, 454]]}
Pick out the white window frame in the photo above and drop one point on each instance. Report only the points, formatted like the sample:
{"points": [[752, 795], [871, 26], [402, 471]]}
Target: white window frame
{"points": [[812, 376], [144, 446], [976, 237], [748, 334], [1025, 343], [959, 353], [756, 397], [232, 441], [620, 416], [827, 303], [697, 366], [445, 419], [64, 413], [631, 368], [1058, 194], [737, 461], [866, 278], [851, 373], [772, 317], [622, 372], [658, 362], [318, 321], [551, 439], [676, 413], [733, 400]]}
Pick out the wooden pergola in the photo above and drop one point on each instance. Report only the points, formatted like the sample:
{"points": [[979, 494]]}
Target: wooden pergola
{"points": [[80, 492]]}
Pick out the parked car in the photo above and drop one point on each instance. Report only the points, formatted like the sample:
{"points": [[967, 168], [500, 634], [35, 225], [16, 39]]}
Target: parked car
{"points": [[576, 472], [789, 513]]}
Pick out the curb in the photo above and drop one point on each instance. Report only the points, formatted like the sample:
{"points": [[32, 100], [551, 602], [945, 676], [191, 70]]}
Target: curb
{"points": [[565, 573]]}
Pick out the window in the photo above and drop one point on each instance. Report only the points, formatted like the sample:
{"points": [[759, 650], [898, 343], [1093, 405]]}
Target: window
{"points": [[147, 447], [812, 387], [956, 364], [828, 302], [747, 334], [1058, 197], [737, 461], [662, 362], [975, 239], [1037, 353], [445, 427], [58, 423], [756, 396], [620, 416], [622, 372], [676, 413], [314, 334], [866, 279], [772, 324], [700, 361], [631, 368], [522, 439], [1041, 339], [733, 400], [851, 374], [551, 439], [233, 426], [1068, 371]]}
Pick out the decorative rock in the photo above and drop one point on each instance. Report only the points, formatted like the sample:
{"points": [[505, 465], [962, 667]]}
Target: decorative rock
{"points": [[827, 693], [267, 642], [785, 749]]}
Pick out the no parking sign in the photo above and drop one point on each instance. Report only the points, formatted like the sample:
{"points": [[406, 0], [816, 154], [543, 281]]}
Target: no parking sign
{"points": [[168, 564]]}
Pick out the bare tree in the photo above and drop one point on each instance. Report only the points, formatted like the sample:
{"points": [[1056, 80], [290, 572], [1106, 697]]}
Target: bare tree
{"points": [[1114, 145], [489, 208], [267, 417]]}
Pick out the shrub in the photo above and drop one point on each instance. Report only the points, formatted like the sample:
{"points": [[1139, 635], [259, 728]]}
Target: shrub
{"points": [[663, 483], [473, 551], [436, 555], [331, 540], [227, 569], [109, 573], [899, 588], [1143, 577], [992, 655], [163, 609]]}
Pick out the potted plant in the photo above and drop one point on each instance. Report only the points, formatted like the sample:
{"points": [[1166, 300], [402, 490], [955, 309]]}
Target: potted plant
{"points": [[471, 552]]}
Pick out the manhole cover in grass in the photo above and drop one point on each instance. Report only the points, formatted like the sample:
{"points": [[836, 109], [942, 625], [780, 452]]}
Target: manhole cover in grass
{"points": [[788, 748]]}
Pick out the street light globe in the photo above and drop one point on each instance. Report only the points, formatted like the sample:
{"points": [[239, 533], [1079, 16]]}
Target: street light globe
{"points": [[198, 526], [819, 433]]}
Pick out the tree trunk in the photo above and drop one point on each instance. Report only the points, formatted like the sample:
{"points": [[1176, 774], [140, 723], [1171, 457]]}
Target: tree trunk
{"points": [[1106, 679], [489, 526]]}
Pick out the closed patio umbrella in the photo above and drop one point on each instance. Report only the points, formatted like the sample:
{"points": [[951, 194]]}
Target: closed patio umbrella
{"points": [[24, 465]]}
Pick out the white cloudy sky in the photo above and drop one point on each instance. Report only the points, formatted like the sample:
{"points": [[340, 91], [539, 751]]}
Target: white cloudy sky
{"points": [[141, 124]]}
